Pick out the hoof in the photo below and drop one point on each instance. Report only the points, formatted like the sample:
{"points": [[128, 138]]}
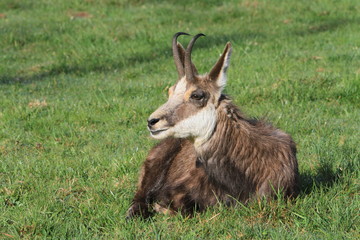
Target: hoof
{"points": [[138, 210]]}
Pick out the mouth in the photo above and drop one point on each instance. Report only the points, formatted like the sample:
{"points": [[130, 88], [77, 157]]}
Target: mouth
{"points": [[156, 132]]}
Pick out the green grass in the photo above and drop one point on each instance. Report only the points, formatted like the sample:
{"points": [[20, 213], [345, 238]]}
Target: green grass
{"points": [[75, 93]]}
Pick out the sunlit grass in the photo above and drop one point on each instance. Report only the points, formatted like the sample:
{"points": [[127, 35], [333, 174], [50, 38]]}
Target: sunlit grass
{"points": [[78, 80]]}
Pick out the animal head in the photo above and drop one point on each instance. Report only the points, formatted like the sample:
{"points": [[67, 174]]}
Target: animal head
{"points": [[190, 111]]}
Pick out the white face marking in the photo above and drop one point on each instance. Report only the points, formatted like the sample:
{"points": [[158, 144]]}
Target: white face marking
{"points": [[162, 130], [199, 126], [175, 99], [180, 89]]}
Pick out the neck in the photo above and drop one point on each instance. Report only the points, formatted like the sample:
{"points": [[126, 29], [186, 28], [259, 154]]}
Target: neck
{"points": [[227, 150], [229, 126]]}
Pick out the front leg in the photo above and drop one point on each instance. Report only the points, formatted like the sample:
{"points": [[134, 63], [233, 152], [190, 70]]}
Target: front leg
{"points": [[152, 177], [140, 206], [151, 180]]}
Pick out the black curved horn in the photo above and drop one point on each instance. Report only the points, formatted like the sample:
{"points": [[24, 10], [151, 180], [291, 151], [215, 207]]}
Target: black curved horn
{"points": [[178, 62], [189, 73]]}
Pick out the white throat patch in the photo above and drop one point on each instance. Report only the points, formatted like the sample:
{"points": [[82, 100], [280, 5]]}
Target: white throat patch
{"points": [[200, 125]]}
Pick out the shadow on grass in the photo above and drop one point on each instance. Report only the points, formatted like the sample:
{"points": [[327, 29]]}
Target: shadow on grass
{"points": [[164, 52], [330, 24], [327, 173], [157, 54], [107, 65], [82, 68], [325, 176]]}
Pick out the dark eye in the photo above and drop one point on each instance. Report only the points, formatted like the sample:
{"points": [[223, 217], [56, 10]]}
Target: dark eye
{"points": [[197, 96]]}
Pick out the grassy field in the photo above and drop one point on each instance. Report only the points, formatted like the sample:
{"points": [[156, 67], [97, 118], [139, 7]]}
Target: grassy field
{"points": [[78, 80]]}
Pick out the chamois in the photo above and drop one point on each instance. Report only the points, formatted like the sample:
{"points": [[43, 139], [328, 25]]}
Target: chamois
{"points": [[210, 151]]}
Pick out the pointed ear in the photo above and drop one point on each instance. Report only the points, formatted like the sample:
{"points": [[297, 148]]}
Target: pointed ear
{"points": [[218, 72], [182, 57]]}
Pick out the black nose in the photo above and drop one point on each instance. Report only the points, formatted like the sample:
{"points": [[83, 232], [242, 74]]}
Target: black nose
{"points": [[153, 121]]}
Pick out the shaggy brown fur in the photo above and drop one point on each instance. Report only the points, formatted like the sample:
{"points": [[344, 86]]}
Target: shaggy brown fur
{"points": [[238, 158], [260, 161]]}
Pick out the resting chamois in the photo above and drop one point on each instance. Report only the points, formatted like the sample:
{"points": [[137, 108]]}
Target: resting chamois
{"points": [[210, 151]]}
